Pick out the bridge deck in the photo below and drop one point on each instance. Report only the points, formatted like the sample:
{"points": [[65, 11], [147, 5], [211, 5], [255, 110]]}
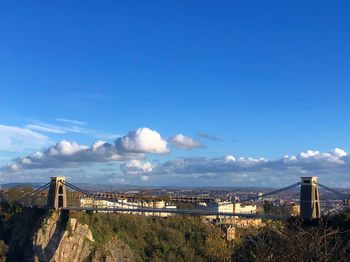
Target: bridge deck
{"points": [[175, 211]]}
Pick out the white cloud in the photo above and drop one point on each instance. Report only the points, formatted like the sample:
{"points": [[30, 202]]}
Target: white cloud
{"points": [[339, 152], [309, 154], [59, 129], [71, 121], [46, 129], [310, 161], [184, 142], [65, 148], [136, 167], [70, 126], [70, 154], [230, 158], [144, 178], [132, 149], [107, 136], [16, 139], [143, 140]]}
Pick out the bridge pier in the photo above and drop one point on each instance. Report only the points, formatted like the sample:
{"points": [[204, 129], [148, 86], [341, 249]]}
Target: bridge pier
{"points": [[309, 199], [57, 197]]}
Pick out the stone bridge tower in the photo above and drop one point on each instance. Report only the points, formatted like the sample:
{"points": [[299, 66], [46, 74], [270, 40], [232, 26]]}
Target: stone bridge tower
{"points": [[309, 199], [57, 197]]}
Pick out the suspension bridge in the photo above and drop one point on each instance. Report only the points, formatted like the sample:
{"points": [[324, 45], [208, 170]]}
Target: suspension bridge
{"points": [[60, 194]]}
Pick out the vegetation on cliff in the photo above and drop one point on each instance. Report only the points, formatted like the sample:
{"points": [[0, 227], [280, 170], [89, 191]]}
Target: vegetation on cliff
{"points": [[328, 241], [176, 238], [17, 227]]}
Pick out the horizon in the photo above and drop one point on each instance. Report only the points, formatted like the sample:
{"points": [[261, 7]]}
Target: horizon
{"points": [[185, 94], [139, 187]]}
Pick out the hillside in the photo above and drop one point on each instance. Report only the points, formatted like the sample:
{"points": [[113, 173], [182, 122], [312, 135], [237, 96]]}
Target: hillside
{"points": [[107, 237], [36, 235]]}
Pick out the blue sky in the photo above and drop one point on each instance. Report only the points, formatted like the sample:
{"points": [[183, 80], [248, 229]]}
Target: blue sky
{"points": [[266, 78]]}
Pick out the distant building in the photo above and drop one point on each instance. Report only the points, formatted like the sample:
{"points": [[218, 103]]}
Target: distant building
{"points": [[128, 206], [231, 208], [244, 209], [221, 207]]}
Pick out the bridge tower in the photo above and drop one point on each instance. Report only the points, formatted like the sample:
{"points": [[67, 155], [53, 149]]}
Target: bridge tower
{"points": [[309, 199], [57, 197]]}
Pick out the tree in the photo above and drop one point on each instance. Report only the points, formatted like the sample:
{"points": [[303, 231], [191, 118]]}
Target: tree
{"points": [[3, 251]]}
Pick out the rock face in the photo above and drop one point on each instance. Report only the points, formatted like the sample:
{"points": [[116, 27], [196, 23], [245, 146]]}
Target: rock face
{"points": [[63, 239]]}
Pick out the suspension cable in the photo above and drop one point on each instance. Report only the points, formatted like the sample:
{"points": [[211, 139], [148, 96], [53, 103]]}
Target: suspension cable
{"points": [[35, 192], [71, 186], [95, 196], [343, 196], [267, 194], [275, 191]]}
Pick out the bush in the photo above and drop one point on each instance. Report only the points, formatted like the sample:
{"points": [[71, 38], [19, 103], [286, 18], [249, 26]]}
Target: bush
{"points": [[294, 243]]}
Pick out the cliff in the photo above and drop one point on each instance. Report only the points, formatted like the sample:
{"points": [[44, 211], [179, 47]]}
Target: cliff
{"points": [[62, 238], [30, 234]]}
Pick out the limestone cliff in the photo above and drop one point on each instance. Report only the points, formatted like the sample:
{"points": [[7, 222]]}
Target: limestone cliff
{"points": [[62, 239]]}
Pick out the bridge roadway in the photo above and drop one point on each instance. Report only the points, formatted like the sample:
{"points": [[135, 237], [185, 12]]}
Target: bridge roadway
{"points": [[193, 212]]}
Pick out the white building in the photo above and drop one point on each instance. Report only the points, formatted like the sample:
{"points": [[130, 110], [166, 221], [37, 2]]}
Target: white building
{"points": [[221, 207], [244, 209], [129, 206]]}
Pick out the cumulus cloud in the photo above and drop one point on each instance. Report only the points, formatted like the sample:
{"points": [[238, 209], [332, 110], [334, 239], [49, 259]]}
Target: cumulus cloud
{"points": [[143, 140], [69, 154], [331, 167], [16, 139], [132, 149], [136, 167], [339, 152], [65, 148], [184, 142], [65, 153], [305, 162], [229, 158]]}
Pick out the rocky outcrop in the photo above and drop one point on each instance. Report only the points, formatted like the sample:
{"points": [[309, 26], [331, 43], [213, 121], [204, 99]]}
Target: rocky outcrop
{"points": [[63, 239]]}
